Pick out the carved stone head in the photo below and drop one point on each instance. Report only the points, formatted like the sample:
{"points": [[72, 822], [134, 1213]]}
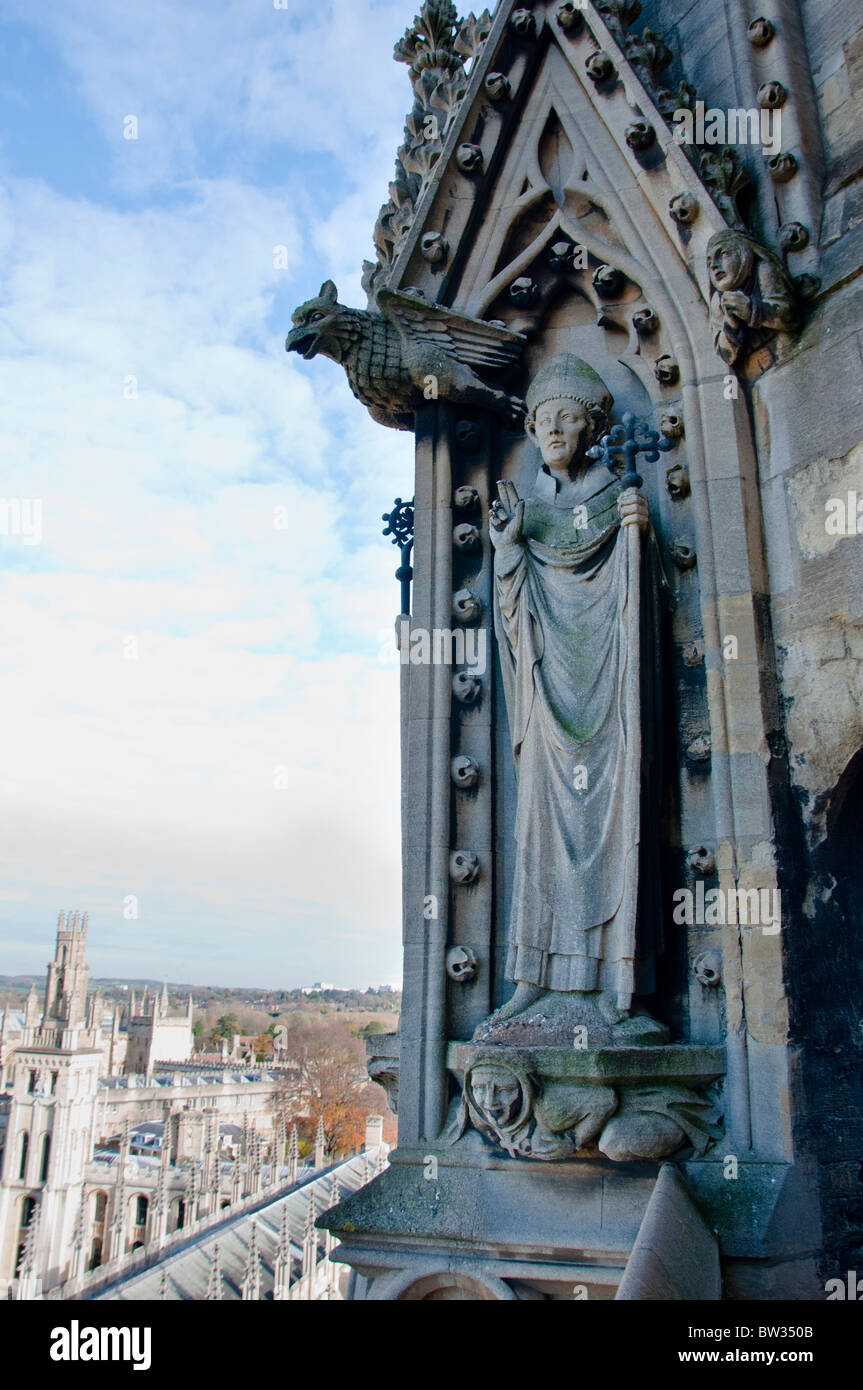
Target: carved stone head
{"points": [[316, 325], [496, 1095], [730, 260], [567, 407]]}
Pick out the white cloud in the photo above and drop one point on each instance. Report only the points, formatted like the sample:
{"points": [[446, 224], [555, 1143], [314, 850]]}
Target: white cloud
{"points": [[257, 644]]}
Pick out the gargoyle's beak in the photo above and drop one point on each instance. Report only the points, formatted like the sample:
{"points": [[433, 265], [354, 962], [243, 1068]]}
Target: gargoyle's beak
{"points": [[303, 340]]}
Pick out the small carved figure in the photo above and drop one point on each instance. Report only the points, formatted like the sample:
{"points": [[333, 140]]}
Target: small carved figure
{"points": [[469, 158], [463, 866], [702, 861], [466, 607], [599, 67], [465, 499], [677, 481], [707, 968], [465, 771], [645, 320], [753, 297], [466, 687], [497, 86], [684, 208], [466, 537], [640, 135], [461, 964]]}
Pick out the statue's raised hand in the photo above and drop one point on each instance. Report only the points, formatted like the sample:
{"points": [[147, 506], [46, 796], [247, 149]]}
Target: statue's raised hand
{"points": [[506, 516]]}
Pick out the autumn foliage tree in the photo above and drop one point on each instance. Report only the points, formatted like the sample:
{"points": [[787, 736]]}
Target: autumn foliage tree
{"points": [[330, 1080]]}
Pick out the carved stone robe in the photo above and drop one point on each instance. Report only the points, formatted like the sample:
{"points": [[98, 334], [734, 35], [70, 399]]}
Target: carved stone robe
{"points": [[561, 602]]}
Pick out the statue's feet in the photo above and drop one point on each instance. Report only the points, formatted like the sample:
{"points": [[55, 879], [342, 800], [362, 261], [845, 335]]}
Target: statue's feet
{"points": [[550, 1018], [524, 996]]}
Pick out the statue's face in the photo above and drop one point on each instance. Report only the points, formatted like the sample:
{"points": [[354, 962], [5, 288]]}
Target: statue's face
{"points": [[728, 264], [497, 1093], [562, 429]]}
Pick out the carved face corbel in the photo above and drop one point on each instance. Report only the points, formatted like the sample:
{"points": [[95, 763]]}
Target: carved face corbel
{"points": [[498, 1099]]}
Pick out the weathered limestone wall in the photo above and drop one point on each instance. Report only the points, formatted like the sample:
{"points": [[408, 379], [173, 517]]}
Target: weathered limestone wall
{"points": [[808, 421], [808, 416]]}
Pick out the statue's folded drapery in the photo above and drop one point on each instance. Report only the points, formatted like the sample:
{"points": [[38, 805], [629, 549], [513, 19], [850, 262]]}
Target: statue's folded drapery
{"points": [[565, 649]]}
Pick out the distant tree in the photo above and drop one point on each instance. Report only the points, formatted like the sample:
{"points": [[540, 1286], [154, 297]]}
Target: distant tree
{"points": [[369, 1029], [198, 1031], [331, 1081], [262, 1047], [225, 1027]]}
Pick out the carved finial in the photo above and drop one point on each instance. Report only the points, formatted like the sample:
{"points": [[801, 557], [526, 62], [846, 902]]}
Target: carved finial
{"points": [[251, 1284], [214, 1279], [435, 48]]}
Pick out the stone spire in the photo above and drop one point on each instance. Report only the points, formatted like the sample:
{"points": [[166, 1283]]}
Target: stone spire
{"points": [[118, 1216], [251, 1285], [214, 1162], [79, 1237], [31, 1009], [95, 1010], [310, 1242], [159, 1206], [163, 1000], [237, 1179], [320, 1143], [66, 983], [293, 1155], [163, 1285], [282, 1265], [192, 1192], [257, 1163], [214, 1279], [28, 1276]]}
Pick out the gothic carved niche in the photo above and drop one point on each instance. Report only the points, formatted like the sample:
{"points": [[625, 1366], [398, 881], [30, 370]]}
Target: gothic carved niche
{"points": [[753, 298], [580, 947]]}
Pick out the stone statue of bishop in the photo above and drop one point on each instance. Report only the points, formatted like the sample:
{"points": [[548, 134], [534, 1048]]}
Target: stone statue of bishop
{"points": [[569, 571]]}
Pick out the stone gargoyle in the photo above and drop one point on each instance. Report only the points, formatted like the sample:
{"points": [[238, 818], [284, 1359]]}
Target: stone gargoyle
{"points": [[407, 354]]}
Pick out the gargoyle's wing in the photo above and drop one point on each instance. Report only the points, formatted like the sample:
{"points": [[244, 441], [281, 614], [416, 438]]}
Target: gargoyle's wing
{"points": [[473, 341]]}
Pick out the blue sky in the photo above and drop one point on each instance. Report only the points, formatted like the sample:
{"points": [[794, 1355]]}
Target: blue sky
{"points": [[197, 714]]}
